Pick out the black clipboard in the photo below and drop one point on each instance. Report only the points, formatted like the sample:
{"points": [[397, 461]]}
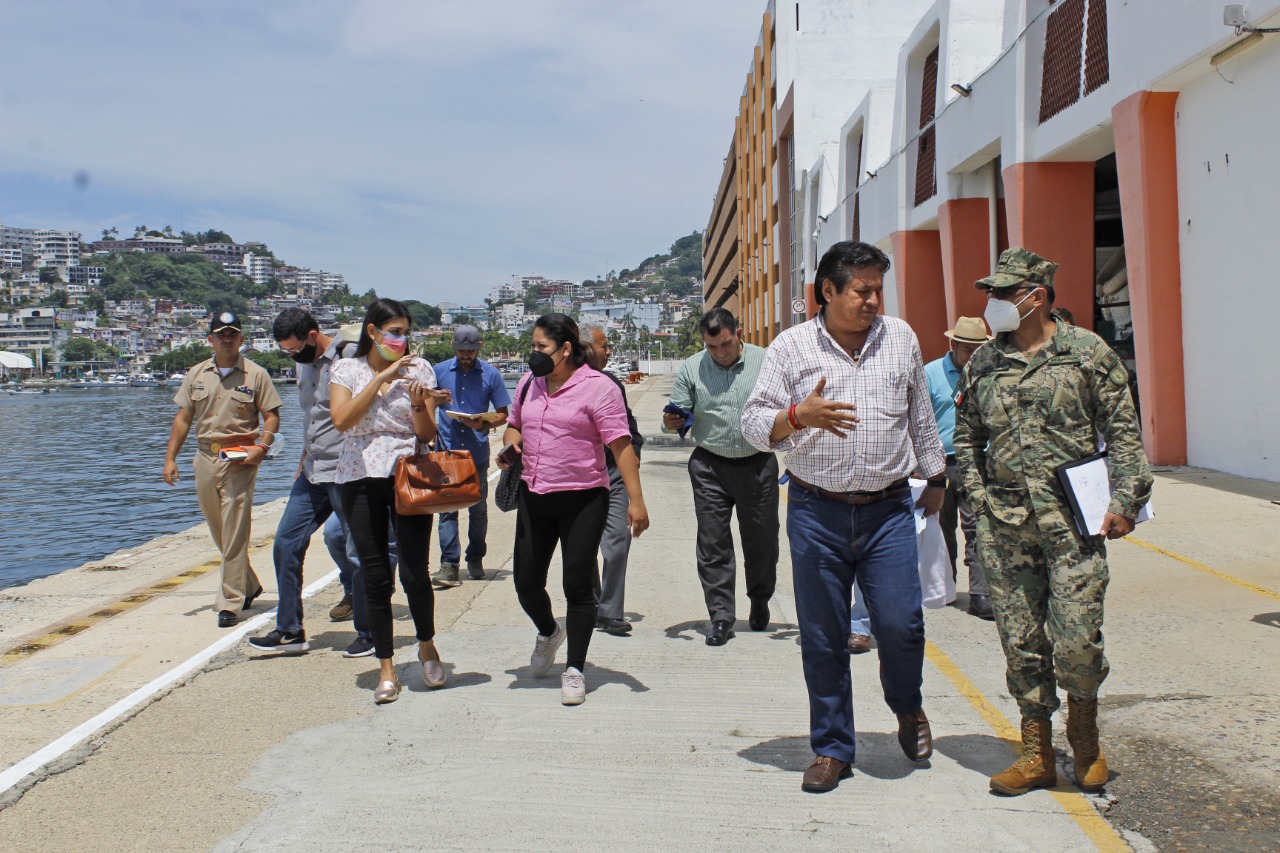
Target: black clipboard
{"points": [[1068, 490]]}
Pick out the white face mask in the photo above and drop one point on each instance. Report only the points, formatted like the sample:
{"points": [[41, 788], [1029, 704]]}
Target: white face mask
{"points": [[1003, 316]]}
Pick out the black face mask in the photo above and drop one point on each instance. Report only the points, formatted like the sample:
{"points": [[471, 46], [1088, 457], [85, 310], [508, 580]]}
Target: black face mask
{"points": [[541, 364], [306, 355]]}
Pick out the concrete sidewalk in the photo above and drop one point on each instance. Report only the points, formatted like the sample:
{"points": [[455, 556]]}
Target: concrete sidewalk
{"points": [[680, 745]]}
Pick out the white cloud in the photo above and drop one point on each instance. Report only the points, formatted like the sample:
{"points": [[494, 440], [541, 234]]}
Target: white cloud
{"points": [[444, 142]]}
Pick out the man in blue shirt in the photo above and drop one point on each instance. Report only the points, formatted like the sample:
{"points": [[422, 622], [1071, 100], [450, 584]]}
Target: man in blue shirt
{"points": [[475, 386], [943, 376]]}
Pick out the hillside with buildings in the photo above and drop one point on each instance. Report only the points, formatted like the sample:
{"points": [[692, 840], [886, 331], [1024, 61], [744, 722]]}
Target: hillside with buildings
{"points": [[141, 302]]}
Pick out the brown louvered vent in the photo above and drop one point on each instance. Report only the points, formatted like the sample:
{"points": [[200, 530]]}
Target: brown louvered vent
{"points": [[1063, 42], [1097, 64], [1076, 57], [926, 159]]}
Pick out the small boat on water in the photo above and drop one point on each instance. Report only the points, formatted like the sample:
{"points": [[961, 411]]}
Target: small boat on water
{"points": [[145, 380], [175, 380]]}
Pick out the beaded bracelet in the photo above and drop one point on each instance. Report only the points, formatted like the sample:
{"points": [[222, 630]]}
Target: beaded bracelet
{"points": [[792, 419]]}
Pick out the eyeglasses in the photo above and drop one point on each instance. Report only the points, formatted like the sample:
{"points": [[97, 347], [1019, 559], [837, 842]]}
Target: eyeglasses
{"points": [[294, 350]]}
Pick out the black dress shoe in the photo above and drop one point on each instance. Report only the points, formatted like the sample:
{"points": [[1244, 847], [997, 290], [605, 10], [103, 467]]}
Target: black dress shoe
{"points": [[226, 618], [617, 627], [759, 619], [915, 736], [721, 632], [250, 599], [980, 606]]}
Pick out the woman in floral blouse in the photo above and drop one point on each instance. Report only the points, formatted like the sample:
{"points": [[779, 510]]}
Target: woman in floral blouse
{"points": [[383, 401]]}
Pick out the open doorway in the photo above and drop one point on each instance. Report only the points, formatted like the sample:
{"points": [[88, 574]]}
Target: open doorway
{"points": [[1112, 317]]}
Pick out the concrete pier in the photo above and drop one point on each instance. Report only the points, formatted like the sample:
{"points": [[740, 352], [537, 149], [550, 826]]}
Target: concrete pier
{"points": [[678, 746]]}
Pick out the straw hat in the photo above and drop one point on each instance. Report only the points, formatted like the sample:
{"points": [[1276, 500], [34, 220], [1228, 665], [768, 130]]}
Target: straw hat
{"points": [[969, 330]]}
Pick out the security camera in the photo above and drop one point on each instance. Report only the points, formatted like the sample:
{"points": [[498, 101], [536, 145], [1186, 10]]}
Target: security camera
{"points": [[1233, 15]]}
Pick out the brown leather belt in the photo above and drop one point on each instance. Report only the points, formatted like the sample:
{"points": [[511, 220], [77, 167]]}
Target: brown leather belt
{"points": [[856, 498]]}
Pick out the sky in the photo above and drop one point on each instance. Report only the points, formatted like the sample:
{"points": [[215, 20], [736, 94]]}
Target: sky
{"points": [[427, 149]]}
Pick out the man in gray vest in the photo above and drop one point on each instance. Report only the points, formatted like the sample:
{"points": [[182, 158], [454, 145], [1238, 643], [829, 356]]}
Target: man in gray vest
{"points": [[314, 496]]}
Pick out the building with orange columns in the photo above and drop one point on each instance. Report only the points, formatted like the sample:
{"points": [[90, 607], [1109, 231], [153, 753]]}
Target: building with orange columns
{"points": [[1129, 142]]}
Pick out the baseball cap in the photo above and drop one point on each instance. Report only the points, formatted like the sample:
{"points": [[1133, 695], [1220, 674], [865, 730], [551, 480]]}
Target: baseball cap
{"points": [[466, 337], [224, 320], [1018, 267]]}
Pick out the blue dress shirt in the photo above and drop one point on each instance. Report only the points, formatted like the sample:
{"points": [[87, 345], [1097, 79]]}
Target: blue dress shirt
{"points": [[943, 376], [474, 392]]}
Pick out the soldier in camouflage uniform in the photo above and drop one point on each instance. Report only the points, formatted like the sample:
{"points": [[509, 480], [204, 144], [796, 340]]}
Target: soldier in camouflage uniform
{"points": [[1037, 396]]}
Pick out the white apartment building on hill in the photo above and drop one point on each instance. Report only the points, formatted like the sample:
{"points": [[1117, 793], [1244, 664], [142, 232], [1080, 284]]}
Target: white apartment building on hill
{"points": [[1123, 140]]}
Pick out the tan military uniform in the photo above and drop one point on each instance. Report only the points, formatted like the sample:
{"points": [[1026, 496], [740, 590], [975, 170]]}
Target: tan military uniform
{"points": [[225, 413]]}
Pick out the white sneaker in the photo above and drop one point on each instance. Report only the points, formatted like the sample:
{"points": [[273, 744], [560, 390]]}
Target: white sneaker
{"points": [[573, 687], [544, 651]]}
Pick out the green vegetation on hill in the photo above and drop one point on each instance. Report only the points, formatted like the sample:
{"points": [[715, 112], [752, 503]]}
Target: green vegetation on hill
{"points": [[181, 277]]}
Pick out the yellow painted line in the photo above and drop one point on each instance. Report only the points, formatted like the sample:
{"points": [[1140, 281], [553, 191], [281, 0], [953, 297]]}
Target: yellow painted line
{"points": [[67, 630], [1201, 567], [1094, 826]]}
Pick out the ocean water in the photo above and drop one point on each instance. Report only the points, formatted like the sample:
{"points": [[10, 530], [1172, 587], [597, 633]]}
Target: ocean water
{"points": [[80, 475]]}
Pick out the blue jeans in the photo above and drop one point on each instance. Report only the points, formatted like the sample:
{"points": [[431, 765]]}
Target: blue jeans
{"points": [[477, 524], [311, 505], [831, 543], [859, 618]]}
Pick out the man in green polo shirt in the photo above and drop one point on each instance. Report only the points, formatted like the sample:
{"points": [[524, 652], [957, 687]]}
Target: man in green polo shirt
{"points": [[727, 472]]}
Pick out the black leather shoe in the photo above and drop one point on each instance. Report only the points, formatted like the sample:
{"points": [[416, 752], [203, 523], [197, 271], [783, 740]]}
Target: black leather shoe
{"points": [[759, 619], [914, 736], [250, 599], [617, 627], [721, 632], [226, 618], [980, 606]]}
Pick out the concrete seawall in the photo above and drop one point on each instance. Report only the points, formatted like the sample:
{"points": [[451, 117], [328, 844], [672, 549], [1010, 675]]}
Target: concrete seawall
{"points": [[679, 745]]}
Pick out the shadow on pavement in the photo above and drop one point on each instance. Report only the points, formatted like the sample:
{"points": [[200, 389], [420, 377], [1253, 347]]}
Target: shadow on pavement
{"points": [[524, 679], [1270, 619], [879, 755], [700, 627]]}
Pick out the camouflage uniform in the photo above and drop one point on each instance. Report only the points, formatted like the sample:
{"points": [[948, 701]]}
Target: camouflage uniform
{"points": [[1016, 420]]}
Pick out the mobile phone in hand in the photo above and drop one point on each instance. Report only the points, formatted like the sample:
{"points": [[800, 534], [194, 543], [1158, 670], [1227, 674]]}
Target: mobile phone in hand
{"points": [[509, 455]]}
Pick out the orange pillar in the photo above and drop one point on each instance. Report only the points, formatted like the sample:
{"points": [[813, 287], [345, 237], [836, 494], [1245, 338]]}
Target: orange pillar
{"points": [[1050, 208], [922, 300], [963, 225], [1146, 159]]}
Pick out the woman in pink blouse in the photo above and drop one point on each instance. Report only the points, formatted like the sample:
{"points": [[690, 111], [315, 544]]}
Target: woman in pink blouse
{"points": [[565, 413], [382, 400]]}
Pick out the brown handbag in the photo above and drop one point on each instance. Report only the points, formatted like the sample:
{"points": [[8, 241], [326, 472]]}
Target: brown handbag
{"points": [[436, 481]]}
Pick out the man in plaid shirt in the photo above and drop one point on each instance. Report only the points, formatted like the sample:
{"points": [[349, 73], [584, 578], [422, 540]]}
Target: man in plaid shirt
{"points": [[844, 396]]}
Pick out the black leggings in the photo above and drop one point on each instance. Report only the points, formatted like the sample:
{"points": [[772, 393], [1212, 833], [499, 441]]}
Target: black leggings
{"points": [[370, 505], [576, 520]]}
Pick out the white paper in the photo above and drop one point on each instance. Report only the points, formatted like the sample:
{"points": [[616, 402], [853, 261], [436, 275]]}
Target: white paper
{"points": [[1091, 484]]}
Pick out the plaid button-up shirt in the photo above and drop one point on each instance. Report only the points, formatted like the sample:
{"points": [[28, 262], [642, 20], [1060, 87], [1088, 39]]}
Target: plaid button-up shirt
{"points": [[896, 435]]}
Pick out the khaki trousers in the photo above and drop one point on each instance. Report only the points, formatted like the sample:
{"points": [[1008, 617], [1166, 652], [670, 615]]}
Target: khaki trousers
{"points": [[225, 492]]}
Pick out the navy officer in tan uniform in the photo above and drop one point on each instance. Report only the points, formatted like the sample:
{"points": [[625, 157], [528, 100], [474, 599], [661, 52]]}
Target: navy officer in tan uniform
{"points": [[224, 397]]}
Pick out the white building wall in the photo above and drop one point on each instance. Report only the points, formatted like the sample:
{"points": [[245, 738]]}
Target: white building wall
{"points": [[1229, 203]]}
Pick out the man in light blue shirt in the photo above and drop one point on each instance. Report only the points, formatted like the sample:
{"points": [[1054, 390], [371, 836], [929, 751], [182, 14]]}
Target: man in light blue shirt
{"points": [[943, 375], [476, 387]]}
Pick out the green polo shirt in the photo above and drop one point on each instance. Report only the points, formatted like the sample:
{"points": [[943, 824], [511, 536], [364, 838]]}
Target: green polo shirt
{"points": [[716, 396]]}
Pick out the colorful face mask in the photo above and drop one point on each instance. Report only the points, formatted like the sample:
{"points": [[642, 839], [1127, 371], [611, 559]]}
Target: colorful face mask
{"points": [[393, 346]]}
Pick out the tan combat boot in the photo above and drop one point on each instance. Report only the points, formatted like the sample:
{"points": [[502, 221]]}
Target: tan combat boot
{"points": [[1082, 734], [1035, 767]]}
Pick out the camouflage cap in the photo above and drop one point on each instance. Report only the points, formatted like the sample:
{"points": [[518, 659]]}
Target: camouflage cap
{"points": [[1019, 267]]}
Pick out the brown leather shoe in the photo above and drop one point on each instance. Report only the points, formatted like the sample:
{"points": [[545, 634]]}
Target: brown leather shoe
{"points": [[859, 644], [915, 736], [824, 774]]}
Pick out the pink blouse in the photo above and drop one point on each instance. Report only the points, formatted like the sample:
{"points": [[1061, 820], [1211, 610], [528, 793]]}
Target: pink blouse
{"points": [[372, 447], [565, 432]]}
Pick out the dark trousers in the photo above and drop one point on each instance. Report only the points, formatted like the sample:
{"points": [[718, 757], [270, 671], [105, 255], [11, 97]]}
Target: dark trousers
{"points": [[370, 505], [953, 510], [575, 520], [720, 485], [615, 546], [831, 544]]}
